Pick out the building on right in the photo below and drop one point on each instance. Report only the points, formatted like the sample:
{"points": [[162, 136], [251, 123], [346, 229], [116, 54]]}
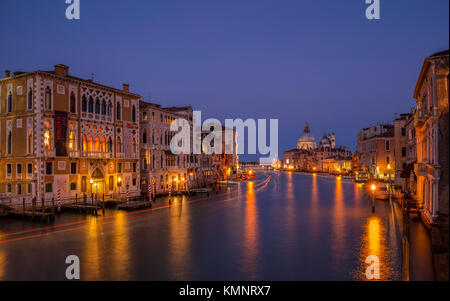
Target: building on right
{"points": [[431, 130]]}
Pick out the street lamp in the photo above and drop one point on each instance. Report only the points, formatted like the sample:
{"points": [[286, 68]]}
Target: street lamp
{"points": [[389, 182], [373, 188], [119, 184]]}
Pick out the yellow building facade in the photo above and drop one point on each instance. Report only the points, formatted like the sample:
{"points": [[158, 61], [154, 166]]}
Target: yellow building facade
{"points": [[67, 135]]}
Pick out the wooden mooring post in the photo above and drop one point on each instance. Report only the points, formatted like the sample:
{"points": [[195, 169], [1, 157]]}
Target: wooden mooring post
{"points": [[53, 207], [43, 209], [33, 208]]}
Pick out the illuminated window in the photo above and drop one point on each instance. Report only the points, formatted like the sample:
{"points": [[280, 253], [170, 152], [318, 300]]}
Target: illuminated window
{"points": [[72, 141], [90, 144], [84, 143], [133, 146], [119, 145], [144, 115], [103, 144], [97, 144], [47, 140]]}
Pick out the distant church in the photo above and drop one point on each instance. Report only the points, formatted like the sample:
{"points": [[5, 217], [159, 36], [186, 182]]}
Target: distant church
{"points": [[308, 141]]}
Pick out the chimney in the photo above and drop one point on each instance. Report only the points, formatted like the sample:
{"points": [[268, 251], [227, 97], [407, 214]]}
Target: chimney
{"points": [[126, 87], [395, 115], [7, 73], [61, 69]]}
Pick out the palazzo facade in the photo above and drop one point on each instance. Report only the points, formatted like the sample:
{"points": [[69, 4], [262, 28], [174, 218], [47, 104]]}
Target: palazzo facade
{"points": [[63, 134]]}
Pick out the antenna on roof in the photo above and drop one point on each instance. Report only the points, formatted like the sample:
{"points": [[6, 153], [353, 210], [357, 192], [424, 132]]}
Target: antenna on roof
{"points": [[92, 76]]}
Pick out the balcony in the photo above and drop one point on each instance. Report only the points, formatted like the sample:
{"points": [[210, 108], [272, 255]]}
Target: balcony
{"points": [[97, 155], [49, 153]]}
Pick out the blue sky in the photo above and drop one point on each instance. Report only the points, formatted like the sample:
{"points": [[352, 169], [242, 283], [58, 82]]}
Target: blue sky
{"points": [[320, 61]]}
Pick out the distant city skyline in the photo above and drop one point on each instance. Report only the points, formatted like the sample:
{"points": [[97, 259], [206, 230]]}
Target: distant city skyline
{"points": [[320, 61]]}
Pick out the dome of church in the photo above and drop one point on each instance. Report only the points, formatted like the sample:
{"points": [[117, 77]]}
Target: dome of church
{"points": [[306, 141], [325, 141]]}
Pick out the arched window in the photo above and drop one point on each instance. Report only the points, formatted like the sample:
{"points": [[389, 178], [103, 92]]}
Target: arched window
{"points": [[109, 109], [133, 113], [84, 143], [97, 106], [83, 104], [73, 105], [91, 105], [30, 99], [97, 144], [110, 145], [119, 145], [9, 143], [119, 112], [47, 140], [72, 141], [144, 137], [133, 146], [103, 144], [9, 102], [103, 108], [90, 143], [48, 99], [30, 142]]}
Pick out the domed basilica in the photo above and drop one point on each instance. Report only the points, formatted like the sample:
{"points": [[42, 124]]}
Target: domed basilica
{"points": [[308, 142]]}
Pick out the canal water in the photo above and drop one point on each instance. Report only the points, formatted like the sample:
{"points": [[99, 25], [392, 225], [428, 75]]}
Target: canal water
{"points": [[282, 226]]}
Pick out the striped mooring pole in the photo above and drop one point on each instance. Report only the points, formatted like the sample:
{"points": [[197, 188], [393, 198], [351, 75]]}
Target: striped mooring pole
{"points": [[149, 192]]}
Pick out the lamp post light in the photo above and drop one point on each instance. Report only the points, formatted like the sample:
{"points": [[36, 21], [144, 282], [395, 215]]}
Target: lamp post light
{"points": [[389, 183], [373, 188], [119, 184]]}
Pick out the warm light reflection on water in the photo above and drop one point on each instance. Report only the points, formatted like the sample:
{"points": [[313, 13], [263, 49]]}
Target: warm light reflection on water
{"points": [[251, 240], [179, 239], [374, 242], [91, 253]]}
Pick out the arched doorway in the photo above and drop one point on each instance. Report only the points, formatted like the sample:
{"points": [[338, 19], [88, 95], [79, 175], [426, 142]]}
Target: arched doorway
{"points": [[98, 182]]}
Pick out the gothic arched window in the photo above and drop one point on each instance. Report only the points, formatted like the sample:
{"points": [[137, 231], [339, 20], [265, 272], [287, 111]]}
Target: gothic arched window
{"points": [[109, 145], [48, 99], [144, 137], [73, 105], [133, 113], [91, 105], [83, 104], [30, 142], [103, 108], [84, 143], [119, 145], [30, 99], [119, 112], [9, 102]]}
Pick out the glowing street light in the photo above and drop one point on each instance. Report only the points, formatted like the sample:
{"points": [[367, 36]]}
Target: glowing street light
{"points": [[373, 188]]}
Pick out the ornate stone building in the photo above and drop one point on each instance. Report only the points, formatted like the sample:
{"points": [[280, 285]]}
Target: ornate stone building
{"points": [[431, 128], [59, 132]]}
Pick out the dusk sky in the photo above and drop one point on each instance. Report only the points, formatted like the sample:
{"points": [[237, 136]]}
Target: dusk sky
{"points": [[317, 61]]}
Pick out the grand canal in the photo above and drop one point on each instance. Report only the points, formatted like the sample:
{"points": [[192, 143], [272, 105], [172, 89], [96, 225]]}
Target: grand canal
{"points": [[282, 226]]}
